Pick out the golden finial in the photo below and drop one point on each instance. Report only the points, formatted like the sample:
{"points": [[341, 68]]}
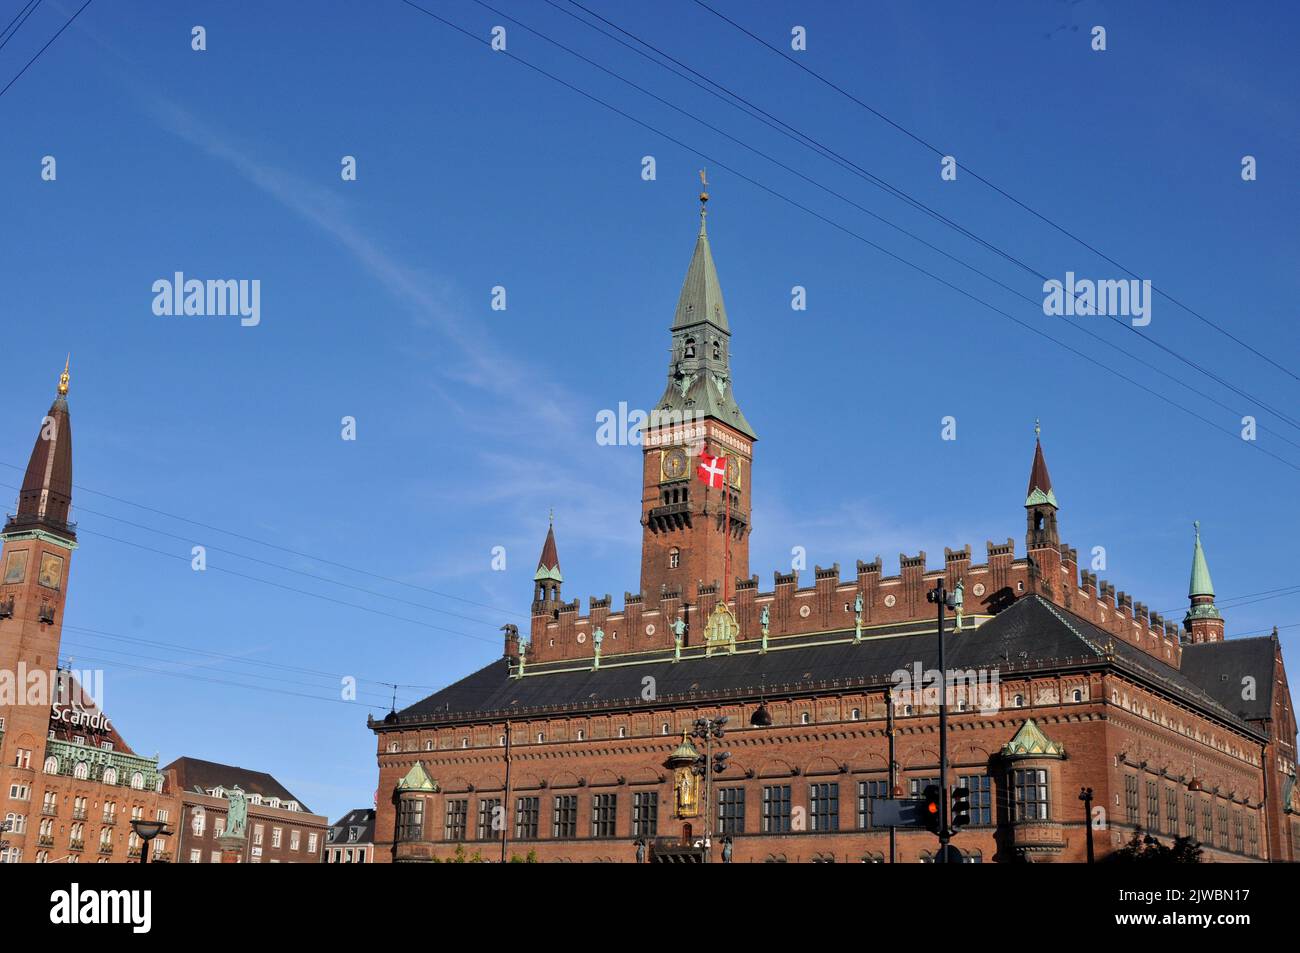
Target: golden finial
{"points": [[63, 378], [704, 197]]}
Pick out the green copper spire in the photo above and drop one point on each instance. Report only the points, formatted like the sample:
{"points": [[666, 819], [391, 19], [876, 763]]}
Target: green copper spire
{"points": [[699, 371], [1200, 584]]}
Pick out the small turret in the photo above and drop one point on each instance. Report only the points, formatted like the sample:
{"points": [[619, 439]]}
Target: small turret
{"points": [[1203, 622], [548, 578]]}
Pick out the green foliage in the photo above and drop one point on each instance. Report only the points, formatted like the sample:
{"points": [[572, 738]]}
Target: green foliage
{"points": [[1147, 849]]}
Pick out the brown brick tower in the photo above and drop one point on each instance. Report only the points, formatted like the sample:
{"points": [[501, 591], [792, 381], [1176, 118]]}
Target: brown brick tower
{"points": [[684, 543], [38, 541], [1042, 541]]}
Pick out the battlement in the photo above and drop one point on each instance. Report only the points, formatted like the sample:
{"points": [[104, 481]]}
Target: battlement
{"points": [[829, 604]]}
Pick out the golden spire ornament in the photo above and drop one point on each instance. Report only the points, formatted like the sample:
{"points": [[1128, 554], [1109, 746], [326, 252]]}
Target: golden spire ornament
{"points": [[64, 377], [704, 197]]}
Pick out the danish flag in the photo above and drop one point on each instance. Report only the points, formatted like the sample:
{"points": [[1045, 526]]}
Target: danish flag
{"points": [[712, 470]]}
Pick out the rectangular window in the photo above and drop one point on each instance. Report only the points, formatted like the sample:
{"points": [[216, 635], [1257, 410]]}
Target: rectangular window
{"points": [[1030, 794], [257, 831], [490, 819], [216, 857], [527, 811], [1189, 814], [311, 843], [457, 818], [776, 809], [1252, 831], [1153, 807], [1238, 832], [277, 834], [920, 784], [1207, 824], [824, 806], [731, 810], [981, 798], [564, 822], [645, 814], [866, 791], [295, 840], [604, 809], [410, 819], [1171, 811], [1223, 825], [1131, 798], [196, 856]]}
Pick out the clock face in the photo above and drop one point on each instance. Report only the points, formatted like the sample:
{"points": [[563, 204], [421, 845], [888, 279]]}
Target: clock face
{"points": [[674, 464]]}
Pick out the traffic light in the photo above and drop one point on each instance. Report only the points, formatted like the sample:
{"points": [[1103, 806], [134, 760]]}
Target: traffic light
{"points": [[930, 808], [960, 807]]}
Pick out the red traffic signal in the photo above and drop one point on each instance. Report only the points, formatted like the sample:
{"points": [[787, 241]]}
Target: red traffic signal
{"points": [[930, 815]]}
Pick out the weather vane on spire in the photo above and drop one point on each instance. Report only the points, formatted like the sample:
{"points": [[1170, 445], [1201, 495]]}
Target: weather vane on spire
{"points": [[63, 378], [1037, 429], [704, 197]]}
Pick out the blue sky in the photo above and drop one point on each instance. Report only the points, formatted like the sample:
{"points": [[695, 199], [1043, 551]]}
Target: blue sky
{"points": [[474, 171]]}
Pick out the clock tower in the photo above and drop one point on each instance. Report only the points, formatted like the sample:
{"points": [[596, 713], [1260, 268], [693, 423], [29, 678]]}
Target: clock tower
{"points": [[687, 538], [38, 541]]}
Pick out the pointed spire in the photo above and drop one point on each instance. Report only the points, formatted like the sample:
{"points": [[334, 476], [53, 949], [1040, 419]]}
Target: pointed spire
{"points": [[1200, 585], [45, 498], [548, 566], [701, 297], [1040, 481]]}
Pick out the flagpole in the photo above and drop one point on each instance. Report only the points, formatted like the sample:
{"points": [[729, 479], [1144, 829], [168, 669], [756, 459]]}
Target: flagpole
{"points": [[726, 582]]}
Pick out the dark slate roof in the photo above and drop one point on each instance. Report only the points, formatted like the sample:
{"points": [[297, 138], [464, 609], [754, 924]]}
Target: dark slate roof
{"points": [[354, 827], [1219, 668], [195, 772], [1030, 634]]}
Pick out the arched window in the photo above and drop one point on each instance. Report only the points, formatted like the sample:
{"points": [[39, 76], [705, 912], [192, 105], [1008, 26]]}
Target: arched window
{"points": [[855, 714], [622, 732], [689, 352], [804, 718], [582, 735], [663, 729], [674, 558], [717, 350], [1078, 695], [51, 765], [82, 771], [540, 737], [137, 781], [392, 747], [110, 775], [1018, 701]]}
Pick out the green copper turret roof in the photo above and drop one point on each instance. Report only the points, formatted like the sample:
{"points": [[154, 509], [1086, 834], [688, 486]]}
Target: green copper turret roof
{"points": [[1040, 481], [1200, 584], [699, 372], [701, 297]]}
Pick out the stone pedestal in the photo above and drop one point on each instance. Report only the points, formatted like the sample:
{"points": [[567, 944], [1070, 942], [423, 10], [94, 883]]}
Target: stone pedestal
{"points": [[232, 848]]}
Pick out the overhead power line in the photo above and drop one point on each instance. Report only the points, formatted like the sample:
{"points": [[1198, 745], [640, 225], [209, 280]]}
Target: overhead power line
{"points": [[996, 188], [45, 47], [848, 231]]}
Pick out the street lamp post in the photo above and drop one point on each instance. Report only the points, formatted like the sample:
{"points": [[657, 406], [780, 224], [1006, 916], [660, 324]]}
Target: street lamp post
{"points": [[147, 831], [942, 598], [706, 766], [1085, 796]]}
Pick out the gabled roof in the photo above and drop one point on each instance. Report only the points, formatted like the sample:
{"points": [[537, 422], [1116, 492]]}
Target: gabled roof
{"points": [[192, 773], [1222, 670], [355, 827], [1031, 630]]}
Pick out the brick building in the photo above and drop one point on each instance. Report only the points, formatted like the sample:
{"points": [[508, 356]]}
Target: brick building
{"points": [[281, 829], [572, 747], [71, 784]]}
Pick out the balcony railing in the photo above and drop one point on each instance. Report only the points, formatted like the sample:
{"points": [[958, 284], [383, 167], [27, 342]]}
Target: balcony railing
{"points": [[33, 519], [45, 840], [50, 810], [79, 814], [110, 819], [133, 852], [77, 845], [106, 848]]}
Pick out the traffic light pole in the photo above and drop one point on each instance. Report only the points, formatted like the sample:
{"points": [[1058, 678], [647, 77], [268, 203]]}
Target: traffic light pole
{"points": [[944, 832]]}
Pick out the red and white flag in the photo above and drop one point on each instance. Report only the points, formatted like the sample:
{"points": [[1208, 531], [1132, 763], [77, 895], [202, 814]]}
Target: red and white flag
{"points": [[712, 471]]}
